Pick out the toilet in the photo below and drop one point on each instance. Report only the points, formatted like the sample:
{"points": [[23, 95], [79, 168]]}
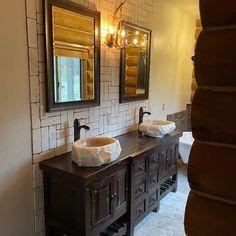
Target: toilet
{"points": [[185, 144]]}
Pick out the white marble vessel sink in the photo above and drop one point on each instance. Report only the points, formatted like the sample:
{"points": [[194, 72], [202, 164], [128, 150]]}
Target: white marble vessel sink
{"points": [[157, 128], [95, 151]]}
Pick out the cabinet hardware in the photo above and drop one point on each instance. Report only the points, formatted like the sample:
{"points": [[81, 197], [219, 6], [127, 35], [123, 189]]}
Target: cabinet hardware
{"points": [[114, 196], [140, 210], [141, 168]]}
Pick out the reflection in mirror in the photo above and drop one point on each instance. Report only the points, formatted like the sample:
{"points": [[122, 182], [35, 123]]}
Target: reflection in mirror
{"points": [[73, 44], [135, 60]]}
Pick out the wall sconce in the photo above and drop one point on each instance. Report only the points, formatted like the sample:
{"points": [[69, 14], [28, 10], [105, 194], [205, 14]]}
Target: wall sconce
{"points": [[115, 35], [120, 37]]}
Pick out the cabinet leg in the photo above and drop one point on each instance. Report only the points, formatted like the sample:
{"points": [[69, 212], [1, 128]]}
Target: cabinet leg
{"points": [[156, 210], [130, 230], [174, 190]]}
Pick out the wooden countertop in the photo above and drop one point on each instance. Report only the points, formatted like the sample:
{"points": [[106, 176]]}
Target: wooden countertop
{"points": [[131, 145]]}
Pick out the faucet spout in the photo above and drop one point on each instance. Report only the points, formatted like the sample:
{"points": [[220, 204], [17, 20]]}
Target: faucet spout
{"points": [[77, 129], [141, 114], [147, 112]]}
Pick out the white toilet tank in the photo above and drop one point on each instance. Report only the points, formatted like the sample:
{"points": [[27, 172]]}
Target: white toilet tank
{"points": [[185, 144]]}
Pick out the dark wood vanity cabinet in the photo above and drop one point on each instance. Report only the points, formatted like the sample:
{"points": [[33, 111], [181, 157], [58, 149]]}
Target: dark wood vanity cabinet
{"points": [[93, 201]]}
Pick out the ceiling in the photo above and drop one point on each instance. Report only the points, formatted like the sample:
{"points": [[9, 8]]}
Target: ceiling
{"points": [[191, 7]]}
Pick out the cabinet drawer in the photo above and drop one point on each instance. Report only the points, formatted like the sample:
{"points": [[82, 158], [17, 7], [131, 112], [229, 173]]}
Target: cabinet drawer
{"points": [[139, 209], [152, 180], [152, 198], [153, 162], [140, 189], [139, 167]]}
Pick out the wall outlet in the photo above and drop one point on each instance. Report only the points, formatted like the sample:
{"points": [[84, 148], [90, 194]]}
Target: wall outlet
{"points": [[163, 107], [109, 119]]}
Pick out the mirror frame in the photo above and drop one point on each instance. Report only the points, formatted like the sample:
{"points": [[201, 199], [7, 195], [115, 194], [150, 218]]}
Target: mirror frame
{"points": [[145, 96], [51, 105]]}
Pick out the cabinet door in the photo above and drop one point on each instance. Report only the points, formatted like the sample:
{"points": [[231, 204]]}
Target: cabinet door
{"points": [[102, 207], [120, 191], [171, 159], [163, 171]]}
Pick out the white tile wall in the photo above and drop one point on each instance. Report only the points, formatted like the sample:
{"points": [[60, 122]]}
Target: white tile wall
{"points": [[52, 133]]}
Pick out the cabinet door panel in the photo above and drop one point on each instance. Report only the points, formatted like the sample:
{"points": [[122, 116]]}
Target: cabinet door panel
{"points": [[172, 154], [102, 209], [121, 185], [162, 164]]}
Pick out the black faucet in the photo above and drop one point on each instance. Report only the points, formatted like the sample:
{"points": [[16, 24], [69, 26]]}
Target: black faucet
{"points": [[77, 128], [141, 114]]}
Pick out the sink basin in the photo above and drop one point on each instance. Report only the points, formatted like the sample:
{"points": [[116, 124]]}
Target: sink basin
{"points": [[157, 128], [95, 151]]}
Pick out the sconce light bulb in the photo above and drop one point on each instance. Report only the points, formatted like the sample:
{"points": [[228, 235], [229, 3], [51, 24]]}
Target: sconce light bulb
{"points": [[135, 41], [111, 29], [122, 33], [137, 33]]}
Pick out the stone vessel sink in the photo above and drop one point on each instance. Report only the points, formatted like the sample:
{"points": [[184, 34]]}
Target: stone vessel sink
{"points": [[95, 151], [157, 128]]}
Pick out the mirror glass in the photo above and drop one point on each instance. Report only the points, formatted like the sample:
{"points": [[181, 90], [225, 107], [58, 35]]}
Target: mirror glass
{"points": [[73, 36], [135, 63]]}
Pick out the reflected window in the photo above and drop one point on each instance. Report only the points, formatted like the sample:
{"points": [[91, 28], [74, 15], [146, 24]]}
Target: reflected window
{"points": [[67, 79]]}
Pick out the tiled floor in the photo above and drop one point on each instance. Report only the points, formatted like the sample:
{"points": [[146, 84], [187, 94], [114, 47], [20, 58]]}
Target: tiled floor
{"points": [[169, 220]]}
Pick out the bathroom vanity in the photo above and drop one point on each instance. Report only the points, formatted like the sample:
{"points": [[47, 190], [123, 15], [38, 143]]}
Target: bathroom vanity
{"points": [[113, 198]]}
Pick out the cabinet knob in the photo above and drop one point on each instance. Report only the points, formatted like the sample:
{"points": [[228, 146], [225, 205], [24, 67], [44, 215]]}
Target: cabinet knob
{"points": [[114, 196], [140, 210], [140, 189], [95, 192], [141, 168]]}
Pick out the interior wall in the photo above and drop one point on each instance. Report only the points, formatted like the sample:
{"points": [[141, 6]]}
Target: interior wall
{"points": [[173, 39], [16, 196]]}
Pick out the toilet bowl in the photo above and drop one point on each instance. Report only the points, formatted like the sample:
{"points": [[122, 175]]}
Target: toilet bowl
{"points": [[185, 144]]}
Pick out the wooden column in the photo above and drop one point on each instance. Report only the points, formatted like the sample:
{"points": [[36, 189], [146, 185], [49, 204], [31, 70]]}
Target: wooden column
{"points": [[211, 206]]}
